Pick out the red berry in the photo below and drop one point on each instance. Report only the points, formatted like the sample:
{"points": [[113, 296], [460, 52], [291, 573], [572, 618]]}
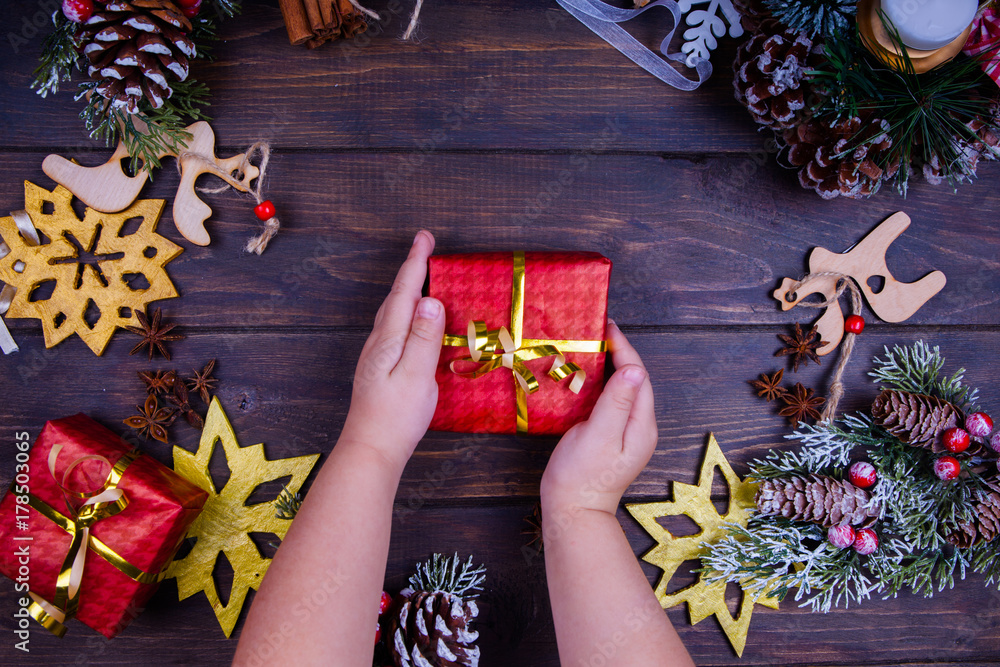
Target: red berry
{"points": [[187, 3], [264, 210], [78, 11], [378, 632], [841, 536], [979, 424], [854, 324], [192, 9], [955, 439], [866, 541], [947, 467], [862, 474], [384, 603]]}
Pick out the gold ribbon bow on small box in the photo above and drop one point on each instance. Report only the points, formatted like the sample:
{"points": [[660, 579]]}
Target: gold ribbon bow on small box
{"points": [[506, 348], [106, 502]]}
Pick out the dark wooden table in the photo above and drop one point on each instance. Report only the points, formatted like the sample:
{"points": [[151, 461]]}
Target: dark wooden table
{"points": [[466, 133]]}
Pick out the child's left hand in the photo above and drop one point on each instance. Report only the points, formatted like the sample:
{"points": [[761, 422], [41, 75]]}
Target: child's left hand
{"points": [[395, 392]]}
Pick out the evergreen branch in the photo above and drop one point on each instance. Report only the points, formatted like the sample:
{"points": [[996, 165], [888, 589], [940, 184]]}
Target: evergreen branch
{"points": [[917, 370], [287, 504], [825, 449], [449, 575], [60, 56], [985, 558]]}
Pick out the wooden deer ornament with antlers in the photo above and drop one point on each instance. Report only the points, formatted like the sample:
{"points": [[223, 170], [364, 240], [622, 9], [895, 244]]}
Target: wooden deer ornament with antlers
{"points": [[107, 188], [894, 302]]}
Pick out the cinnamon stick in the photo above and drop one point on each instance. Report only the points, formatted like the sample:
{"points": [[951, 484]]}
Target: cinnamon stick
{"points": [[294, 14]]}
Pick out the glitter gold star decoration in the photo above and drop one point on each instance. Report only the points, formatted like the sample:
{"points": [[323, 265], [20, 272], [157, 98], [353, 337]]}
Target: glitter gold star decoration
{"points": [[225, 523], [703, 599], [93, 265]]}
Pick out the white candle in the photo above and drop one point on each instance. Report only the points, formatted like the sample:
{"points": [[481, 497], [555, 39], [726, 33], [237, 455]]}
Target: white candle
{"points": [[930, 24]]}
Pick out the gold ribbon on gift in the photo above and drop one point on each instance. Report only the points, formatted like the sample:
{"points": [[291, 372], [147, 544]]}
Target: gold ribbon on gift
{"points": [[107, 501], [506, 348], [30, 235]]}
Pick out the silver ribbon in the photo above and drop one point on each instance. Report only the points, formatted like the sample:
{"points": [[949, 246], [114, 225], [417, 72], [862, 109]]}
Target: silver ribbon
{"points": [[30, 236], [603, 20]]}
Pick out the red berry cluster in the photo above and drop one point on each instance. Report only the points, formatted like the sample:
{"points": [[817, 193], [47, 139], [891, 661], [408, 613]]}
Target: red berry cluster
{"points": [[864, 540], [80, 11], [956, 440]]}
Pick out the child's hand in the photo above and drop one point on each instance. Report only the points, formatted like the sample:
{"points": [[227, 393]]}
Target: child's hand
{"points": [[597, 459], [395, 392]]}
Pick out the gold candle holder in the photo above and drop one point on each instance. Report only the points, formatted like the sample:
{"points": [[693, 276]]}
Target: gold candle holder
{"points": [[877, 40]]}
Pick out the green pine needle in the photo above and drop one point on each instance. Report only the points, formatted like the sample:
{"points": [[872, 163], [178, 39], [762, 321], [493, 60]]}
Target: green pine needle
{"points": [[287, 504], [449, 575], [60, 56], [917, 369], [814, 17]]}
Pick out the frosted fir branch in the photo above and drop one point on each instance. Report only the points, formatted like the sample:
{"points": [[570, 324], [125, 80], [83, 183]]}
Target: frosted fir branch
{"points": [[449, 575], [825, 448], [772, 557], [917, 369], [985, 559], [60, 56]]}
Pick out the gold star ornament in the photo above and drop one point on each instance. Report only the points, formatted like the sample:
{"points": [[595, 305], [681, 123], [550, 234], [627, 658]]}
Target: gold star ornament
{"points": [[224, 525], [703, 598]]}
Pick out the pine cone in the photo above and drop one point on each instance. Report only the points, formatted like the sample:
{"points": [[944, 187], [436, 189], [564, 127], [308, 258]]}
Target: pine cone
{"points": [[770, 70], [986, 525], [817, 499], [135, 48], [753, 12], [916, 419], [432, 630], [848, 157], [969, 153]]}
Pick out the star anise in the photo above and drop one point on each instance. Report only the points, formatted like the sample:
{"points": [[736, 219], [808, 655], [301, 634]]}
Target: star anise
{"points": [[801, 403], [152, 420], [769, 386], [203, 383], [180, 398], [800, 347], [153, 334], [534, 529], [158, 382]]}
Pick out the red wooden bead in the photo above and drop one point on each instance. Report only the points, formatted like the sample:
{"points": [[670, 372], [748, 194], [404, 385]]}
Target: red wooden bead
{"points": [[947, 467], [264, 210], [955, 440], [854, 324]]}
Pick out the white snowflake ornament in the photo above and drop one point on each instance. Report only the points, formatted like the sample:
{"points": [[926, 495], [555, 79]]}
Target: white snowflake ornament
{"points": [[706, 25]]}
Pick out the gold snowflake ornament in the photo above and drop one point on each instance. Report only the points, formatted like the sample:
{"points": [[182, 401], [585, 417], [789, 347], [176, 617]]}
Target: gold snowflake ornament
{"points": [[703, 599], [92, 265], [224, 525]]}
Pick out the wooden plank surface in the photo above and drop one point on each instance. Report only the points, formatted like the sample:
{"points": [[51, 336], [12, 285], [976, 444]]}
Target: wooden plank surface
{"points": [[508, 125]]}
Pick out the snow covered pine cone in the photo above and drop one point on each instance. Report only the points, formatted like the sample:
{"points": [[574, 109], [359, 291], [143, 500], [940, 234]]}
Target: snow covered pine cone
{"points": [[753, 13], [770, 70], [917, 419], [817, 499], [135, 48], [986, 525], [850, 157], [432, 630]]}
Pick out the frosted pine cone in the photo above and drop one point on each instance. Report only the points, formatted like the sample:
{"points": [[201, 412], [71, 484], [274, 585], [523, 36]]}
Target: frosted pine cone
{"points": [[987, 145], [770, 75], [848, 157], [817, 499], [135, 49], [916, 419], [986, 525], [432, 630], [753, 12]]}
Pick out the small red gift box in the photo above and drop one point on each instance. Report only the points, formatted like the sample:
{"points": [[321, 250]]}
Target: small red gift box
{"points": [[537, 324], [85, 490]]}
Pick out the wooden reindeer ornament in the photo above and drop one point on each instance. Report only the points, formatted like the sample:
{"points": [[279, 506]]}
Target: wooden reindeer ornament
{"points": [[894, 302], [107, 188]]}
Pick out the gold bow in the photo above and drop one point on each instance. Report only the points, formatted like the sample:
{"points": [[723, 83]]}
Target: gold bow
{"points": [[505, 348], [107, 501]]}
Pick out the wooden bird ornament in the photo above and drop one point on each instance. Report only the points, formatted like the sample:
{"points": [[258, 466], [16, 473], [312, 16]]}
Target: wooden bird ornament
{"points": [[107, 188], [894, 302]]}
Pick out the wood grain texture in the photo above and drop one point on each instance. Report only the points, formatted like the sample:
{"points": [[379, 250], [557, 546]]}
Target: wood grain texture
{"points": [[348, 220], [507, 125]]}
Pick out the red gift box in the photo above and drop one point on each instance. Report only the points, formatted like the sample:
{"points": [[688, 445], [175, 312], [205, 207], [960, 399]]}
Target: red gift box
{"points": [[135, 510], [554, 306]]}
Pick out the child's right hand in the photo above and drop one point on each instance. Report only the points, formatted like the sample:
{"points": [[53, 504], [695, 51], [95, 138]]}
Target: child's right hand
{"points": [[597, 459]]}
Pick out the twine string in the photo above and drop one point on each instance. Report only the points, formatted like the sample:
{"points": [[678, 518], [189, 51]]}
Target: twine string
{"points": [[844, 283], [256, 244], [413, 20]]}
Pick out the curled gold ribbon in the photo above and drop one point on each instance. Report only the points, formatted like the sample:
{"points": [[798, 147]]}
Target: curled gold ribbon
{"points": [[107, 501], [30, 234], [506, 348]]}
